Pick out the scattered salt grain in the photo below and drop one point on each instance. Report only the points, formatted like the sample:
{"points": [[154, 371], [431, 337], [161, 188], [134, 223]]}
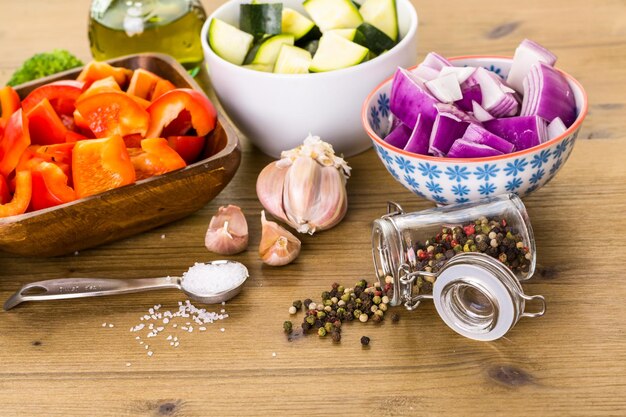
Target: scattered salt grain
{"points": [[274, 354], [127, 363], [202, 328], [150, 353], [175, 325], [104, 325], [169, 337], [166, 320], [162, 236], [110, 324], [208, 279], [222, 329], [76, 253]]}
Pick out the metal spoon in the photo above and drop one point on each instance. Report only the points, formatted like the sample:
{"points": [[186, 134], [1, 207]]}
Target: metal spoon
{"points": [[57, 289]]}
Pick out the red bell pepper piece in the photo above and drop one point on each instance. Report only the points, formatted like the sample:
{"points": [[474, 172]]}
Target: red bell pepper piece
{"points": [[21, 198], [105, 85], [167, 108], [5, 194], [9, 102], [15, 140], [62, 96], [99, 165], [112, 113], [44, 125], [50, 186], [188, 147]]}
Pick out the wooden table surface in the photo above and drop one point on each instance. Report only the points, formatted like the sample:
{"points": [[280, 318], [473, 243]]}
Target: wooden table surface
{"points": [[56, 359]]}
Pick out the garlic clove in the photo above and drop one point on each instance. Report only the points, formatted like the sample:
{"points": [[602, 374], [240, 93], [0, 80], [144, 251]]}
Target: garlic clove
{"points": [[228, 231], [269, 189], [278, 246], [332, 208], [302, 193]]}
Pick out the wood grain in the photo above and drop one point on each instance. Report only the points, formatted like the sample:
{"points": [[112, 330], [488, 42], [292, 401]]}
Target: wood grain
{"points": [[57, 360]]}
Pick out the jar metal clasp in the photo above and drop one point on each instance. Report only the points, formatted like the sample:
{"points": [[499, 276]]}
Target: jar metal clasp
{"points": [[407, 281]]}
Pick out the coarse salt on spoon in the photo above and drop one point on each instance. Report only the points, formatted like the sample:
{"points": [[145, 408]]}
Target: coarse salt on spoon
{"points": [[208, 283]]}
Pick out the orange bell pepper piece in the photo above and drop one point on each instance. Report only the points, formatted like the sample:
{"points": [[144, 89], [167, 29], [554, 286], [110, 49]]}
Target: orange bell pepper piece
{"points": [[95, 71], [21, 197], [105, 85], [162, 86], [165, 109], [44, 125], [15, 140], [142, 84], [100, 165], [113, 113], [155, 158], [9, 102]]}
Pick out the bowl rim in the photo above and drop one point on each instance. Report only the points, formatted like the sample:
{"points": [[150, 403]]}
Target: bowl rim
{"points": [[570, 130], [411, 33]]}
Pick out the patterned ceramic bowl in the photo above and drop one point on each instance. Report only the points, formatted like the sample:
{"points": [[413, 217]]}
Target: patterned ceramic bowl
{"points": [[453, 180]]}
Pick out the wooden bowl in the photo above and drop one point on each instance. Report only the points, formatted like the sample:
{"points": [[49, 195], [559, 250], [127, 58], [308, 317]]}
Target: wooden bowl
{"points": [[131, 209]]}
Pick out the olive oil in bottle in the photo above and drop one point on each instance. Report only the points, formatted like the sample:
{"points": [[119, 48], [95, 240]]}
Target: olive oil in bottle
{"points": [[122, 27]]}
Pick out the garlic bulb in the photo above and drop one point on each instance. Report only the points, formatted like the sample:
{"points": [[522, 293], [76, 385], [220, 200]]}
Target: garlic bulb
{"points": [[306, 188], [228, 231], [278, 246]]}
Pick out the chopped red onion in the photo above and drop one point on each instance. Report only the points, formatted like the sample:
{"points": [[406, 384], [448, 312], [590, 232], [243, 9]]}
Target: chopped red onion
{"points": [[478, 134], [556, 128], [480, 114], [419, 140], [523, 132], [548, 94], [410, 98], [450, 124], [527, 54], [466, 149], [445, 88], [399, 136]]}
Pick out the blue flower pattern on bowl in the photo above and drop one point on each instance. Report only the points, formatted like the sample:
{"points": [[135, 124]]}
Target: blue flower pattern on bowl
{"points": [[447, 181]]}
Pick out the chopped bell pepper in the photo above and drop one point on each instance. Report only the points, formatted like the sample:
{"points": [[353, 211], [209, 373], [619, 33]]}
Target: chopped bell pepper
{"points": [[188, 147], [100, 165], [50, 186], [98, 70], [142, 84], [21, 198], [9, 102], [15, 140], [155, 158], [44, 125], [167, 108], [113, 113], [162, 86], [62, 95], [5, 194], [105, 85]]}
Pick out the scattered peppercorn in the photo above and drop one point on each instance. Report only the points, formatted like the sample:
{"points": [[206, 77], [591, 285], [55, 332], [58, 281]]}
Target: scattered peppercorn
{"points": [[365, 341], [321, 332], [288, 327], [297, 304], [395, 317], [293, 310], [307, 303], [336, 336]]}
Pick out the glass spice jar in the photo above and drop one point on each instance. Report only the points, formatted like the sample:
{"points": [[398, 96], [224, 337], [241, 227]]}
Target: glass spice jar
{"points": [[468, 258]]}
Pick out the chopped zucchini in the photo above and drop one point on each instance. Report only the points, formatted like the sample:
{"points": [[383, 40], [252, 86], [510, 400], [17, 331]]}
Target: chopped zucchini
{"points": [[333, 14], [293, 60], [266, 50], [295, 23], [335, 52], [373, 39], [383, 15], [311, 46], [229, 42], [259, 67], [353, 35], [260, 19]]}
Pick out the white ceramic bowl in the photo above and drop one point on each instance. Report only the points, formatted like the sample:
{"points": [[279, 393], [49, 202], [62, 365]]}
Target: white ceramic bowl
{"points": [[453, 180], [277, 111]]}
